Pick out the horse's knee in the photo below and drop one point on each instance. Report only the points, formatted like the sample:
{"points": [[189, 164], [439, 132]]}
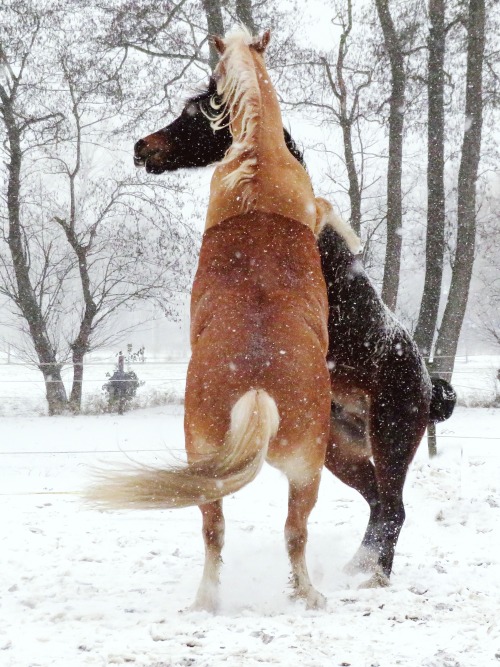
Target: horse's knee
{"points": [[213, 526], [295, 538], [214, 536]]}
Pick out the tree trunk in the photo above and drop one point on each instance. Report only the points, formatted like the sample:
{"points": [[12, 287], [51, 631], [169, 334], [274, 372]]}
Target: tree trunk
{"points": [[81, 344], [245, 16], [394, 168], [215, 26], [449, 332], [80, 347], [26, 299], [354, 189], [347, 117], [75, 397], [434, 251]]}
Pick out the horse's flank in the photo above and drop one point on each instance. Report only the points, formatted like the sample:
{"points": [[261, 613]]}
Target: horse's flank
{"points": [[258, 168]]}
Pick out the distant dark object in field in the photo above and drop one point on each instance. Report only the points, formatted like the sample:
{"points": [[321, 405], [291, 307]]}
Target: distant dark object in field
{"points": [[122, 386]]}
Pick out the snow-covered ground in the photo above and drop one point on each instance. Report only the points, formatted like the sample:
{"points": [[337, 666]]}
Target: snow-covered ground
{"points": [[85, 588]]}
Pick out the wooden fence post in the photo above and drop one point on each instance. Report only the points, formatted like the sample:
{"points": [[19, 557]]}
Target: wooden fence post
{"points": [[432, 440]]}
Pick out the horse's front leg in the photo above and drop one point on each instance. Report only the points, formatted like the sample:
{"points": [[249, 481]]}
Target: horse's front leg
{"points": [[347, 458], [207, 597], [301, 500]]}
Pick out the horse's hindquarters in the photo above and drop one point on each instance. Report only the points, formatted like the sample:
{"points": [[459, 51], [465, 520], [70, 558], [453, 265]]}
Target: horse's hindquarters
{"points": [[259, 321]]}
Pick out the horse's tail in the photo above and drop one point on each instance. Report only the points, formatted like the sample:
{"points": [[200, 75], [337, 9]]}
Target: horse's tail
{"points": [[254, 421], [442, 401]]}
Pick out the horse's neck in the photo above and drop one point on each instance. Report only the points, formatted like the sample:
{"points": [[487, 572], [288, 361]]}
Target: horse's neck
{"points": [[270, 134], [259, 165], [339, 264]]}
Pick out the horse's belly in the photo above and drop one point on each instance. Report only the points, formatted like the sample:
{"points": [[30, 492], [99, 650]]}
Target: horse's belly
{"points": [[349, 425]]}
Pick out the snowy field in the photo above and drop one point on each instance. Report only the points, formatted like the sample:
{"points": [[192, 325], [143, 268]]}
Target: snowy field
{"points": [[83, 588], [22, 392]]}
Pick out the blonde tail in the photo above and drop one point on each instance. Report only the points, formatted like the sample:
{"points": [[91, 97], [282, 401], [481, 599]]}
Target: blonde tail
{"points": [[254, 421]]}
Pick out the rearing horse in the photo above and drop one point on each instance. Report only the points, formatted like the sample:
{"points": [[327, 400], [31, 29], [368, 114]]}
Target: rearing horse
{"points": [[380, 386], [257, 384]]}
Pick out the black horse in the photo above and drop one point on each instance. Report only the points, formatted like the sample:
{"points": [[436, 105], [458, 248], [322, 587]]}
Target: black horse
{"points": [[382, 395], [190, 141]]}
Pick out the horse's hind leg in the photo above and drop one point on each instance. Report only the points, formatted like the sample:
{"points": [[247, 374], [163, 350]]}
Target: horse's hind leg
{"points": [[207, 596], [395, 438], [347, 458], [359, 474], [301, 500]]}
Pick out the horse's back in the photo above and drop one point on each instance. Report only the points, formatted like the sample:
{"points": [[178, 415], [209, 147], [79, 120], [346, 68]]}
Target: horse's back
{"points": [[259, 263], [259, 320]]}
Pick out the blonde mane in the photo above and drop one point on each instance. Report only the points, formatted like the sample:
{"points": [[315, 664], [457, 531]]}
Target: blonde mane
{"points": [[325, 215], [238, 88]]}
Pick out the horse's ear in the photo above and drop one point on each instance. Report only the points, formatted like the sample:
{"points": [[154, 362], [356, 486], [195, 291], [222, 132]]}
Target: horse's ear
{"points": [[218, 42], [261, 43]]}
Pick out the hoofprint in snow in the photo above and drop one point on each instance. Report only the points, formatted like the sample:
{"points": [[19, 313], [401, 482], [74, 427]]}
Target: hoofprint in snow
{"points": [[86, 588]]}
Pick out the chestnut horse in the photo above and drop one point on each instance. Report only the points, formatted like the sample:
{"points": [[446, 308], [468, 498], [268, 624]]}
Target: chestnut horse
{"points": [[257, 384], [385, 372]]}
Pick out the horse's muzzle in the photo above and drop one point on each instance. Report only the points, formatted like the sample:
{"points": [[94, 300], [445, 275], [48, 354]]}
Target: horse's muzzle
{"points": [[139, 157]]}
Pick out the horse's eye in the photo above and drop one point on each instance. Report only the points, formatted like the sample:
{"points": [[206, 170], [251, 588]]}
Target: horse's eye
{"points": [[192, 110]]}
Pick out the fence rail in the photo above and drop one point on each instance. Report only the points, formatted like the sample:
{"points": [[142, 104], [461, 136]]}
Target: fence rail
{"points": [[22, 388]]}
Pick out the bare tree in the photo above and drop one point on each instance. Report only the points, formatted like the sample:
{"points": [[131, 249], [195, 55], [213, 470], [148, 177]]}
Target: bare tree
{"points": [[451, 324], [116, 265], [92, 245], [435, 245], [348, 113], [215, 26], [395, 164], [245, 14], [18, 123]]}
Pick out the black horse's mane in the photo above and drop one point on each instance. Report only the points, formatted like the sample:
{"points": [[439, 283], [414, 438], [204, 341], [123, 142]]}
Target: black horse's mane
{"points": [[294, 149], [205, 95]]}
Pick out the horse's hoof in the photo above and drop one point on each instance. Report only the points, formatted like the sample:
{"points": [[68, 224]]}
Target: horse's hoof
{"points": [[207, 604], [364, 560], [377, 580], [315, 600]]}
